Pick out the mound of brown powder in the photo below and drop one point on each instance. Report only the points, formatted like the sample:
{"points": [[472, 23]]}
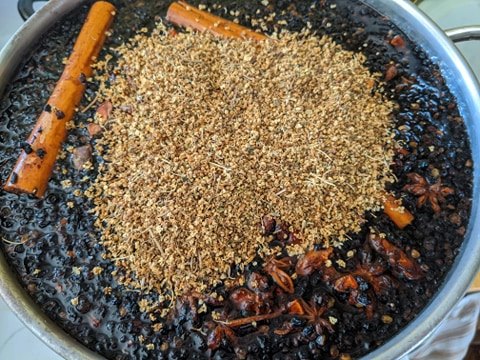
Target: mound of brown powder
{"points": [[208, 135]]}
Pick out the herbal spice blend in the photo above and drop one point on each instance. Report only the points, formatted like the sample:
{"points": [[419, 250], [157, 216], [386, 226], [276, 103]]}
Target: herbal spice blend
{"points": [[208, 135]]}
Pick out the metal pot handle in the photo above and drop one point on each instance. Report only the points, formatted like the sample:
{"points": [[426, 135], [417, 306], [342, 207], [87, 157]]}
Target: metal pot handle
{"points": [[25, 8], [464, 33], [460, 34]]}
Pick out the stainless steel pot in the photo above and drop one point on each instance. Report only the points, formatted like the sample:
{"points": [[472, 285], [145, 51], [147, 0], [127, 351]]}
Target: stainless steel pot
{"points": [[462, 84]]}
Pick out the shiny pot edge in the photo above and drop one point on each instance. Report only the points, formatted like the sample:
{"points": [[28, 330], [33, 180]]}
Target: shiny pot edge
{"points": [[460, 80], [15, 296], [464, 85]]}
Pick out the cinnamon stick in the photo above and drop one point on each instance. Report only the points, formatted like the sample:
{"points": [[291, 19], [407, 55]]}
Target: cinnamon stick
{"points": [[35, 164], [182, 14]]}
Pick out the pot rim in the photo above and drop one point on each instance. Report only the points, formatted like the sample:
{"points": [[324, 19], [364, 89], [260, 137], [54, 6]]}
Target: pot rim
{"points": [[11, 57], [461, 82], [464, 86]]}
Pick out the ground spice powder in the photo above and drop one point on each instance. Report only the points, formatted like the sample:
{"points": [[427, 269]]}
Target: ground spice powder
{"points": [[208, 135]]}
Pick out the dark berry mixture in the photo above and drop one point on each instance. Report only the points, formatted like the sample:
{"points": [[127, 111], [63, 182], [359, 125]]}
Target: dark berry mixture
{"points": [[327, 305]]}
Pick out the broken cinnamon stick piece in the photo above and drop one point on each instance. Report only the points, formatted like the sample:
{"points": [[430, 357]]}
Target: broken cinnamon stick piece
{"points": [[397, 213], [182, 14], [34, 167]]}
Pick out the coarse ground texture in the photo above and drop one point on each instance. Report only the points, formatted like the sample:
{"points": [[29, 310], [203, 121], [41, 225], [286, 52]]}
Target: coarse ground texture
{"points": [[208, 135]]}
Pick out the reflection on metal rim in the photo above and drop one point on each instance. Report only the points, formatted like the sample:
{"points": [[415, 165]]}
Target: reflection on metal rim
{"points": [[14, 295], [461, 82], [465, 33], [464, 86]]}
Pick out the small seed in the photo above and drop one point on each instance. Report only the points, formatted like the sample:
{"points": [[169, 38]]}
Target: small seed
{"points": [[387, 319], [415, 254]]}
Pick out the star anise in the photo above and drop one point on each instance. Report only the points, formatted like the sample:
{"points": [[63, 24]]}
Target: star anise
{"points": [[373, 274], [220, 332], [435, 194], [275, 268], [309, 311], [313, 314], [402, 265]]}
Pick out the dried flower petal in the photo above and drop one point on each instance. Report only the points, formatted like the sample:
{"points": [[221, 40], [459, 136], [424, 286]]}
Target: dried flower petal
{"points": [[105, 109]]}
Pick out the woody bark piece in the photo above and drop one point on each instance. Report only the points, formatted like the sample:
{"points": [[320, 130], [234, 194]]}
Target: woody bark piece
{"points": [[182, 14], [35, 164], [397, 213]]}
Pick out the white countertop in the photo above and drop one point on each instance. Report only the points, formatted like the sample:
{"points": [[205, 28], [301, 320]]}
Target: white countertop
{"points": [[16, 341]]}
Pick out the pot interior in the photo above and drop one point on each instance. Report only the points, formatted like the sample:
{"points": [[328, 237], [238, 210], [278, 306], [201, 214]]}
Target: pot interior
{"points": [[53, 247]]}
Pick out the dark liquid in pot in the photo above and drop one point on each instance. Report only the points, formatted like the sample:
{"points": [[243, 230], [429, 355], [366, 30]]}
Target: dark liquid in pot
{"points": [[55, 264]]}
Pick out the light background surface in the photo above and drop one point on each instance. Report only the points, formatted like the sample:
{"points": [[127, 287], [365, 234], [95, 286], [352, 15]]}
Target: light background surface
{"points": [[455, 13], [16, 341]]}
